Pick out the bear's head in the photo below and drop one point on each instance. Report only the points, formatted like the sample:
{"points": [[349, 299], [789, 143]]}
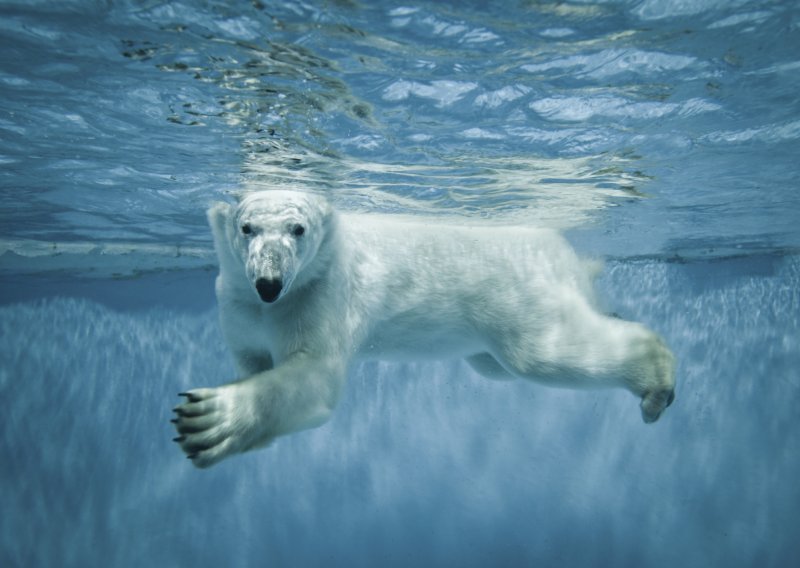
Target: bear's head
{"points": [[278, 235]]}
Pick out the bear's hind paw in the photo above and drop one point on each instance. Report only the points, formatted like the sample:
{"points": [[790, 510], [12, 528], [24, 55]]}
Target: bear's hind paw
{"points": [[654, 403]]}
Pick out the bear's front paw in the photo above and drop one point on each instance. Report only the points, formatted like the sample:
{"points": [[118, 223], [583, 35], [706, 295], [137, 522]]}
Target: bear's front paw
{"points": [[214, 423]]}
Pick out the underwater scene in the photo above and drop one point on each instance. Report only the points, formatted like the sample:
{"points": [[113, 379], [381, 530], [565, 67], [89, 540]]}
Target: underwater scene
{"points": [[661, 137]]}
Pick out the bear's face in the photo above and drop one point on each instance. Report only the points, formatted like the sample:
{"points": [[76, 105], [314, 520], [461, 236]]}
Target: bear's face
{"points": [[276, 235]]}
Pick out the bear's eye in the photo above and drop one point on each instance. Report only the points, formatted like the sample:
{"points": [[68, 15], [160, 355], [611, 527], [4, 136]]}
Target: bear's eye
{"points": [[247, 229], [298, 230]]}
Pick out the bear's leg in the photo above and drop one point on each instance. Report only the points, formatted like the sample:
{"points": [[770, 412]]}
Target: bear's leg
{"points": [[652, 375], [214, 423], [249, 362], [580, 348]]}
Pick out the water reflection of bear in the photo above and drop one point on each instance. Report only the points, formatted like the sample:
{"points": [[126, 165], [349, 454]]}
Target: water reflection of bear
{"points": [[304, 291]]}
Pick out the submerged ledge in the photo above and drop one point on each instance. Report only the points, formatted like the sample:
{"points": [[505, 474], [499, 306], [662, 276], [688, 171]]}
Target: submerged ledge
{"points": [[130, 259], [101, 260]]}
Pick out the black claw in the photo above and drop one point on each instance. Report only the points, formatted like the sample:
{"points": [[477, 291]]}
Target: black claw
{"points": [[177, 411], [179, 439], [191, 456], [174, 420], [190, 397]]}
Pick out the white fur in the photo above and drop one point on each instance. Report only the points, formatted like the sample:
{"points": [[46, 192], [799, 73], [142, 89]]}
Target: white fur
{"points": [[515, 302]]}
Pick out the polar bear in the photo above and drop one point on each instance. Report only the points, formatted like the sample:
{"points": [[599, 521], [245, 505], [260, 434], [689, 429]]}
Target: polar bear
{"points": [[305, 291]]}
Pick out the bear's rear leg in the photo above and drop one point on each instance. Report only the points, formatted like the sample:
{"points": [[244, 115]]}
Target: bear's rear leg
{"points": [[594, 351]]}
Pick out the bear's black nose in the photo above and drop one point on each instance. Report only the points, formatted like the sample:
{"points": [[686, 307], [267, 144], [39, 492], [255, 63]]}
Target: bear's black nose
{"points": [[269, 290]]}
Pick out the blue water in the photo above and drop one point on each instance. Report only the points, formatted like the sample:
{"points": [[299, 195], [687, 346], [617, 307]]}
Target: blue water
{"points": [[660, 135]]}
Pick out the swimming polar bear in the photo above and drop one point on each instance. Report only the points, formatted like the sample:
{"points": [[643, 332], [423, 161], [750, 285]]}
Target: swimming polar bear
{"points": [[304, 291]]}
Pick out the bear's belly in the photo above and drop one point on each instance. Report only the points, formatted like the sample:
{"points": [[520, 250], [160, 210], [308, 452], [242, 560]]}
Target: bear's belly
{"points": [[403, 339]]}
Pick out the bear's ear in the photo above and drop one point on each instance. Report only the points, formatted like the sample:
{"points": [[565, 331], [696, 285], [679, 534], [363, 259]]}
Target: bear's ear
{"points": [[324, 204], [239, 194], [218, 217]]}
